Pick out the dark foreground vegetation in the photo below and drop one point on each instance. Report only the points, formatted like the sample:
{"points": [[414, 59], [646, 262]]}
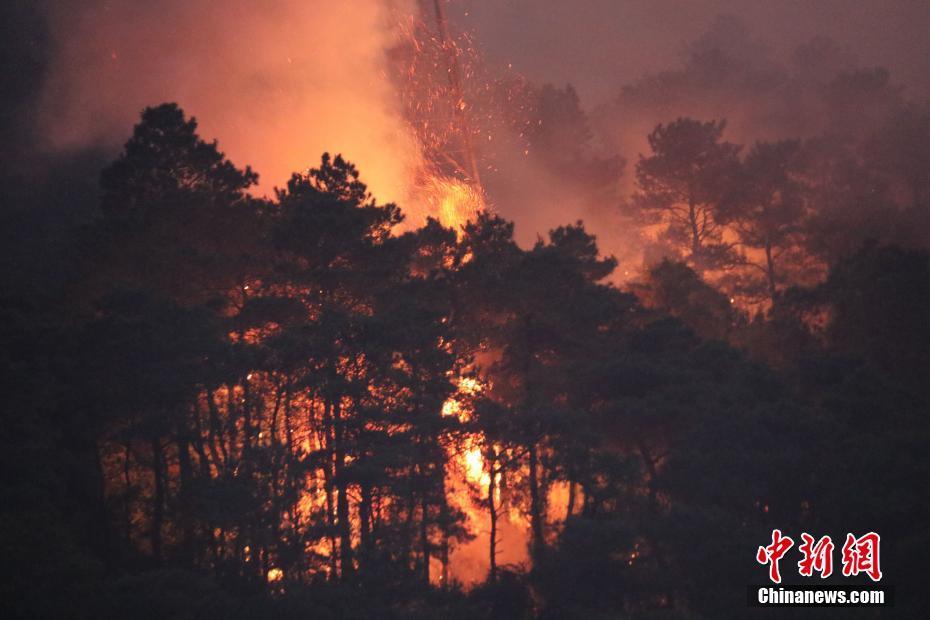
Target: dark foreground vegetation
{"points": [[217, 406]]}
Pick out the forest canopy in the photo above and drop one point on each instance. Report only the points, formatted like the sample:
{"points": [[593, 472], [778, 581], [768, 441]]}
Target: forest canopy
{"points": [[280, 406]]}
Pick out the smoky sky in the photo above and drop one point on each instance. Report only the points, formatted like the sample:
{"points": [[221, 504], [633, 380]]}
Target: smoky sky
{"points": [[277, 82], [170, 49], [599, 45]]}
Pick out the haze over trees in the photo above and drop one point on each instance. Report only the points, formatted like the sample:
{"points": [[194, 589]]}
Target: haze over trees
{"points": [[303, 405]]}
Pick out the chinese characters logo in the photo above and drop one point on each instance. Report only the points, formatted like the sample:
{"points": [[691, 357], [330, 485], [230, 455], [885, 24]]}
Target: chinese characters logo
{"points": [[859, 555]]}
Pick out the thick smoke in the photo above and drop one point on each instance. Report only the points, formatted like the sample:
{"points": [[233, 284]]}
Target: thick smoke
{"points": [[279, 82], [831, 72], [730, 73], [275, 82], [599, 45]]}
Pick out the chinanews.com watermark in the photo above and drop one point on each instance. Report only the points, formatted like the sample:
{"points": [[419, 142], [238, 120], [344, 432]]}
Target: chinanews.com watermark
{"points": [[819, 596], [859, 555]]}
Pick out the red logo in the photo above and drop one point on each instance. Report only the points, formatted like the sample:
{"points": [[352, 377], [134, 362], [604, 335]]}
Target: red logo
{"points": [[773, 553], [860, 555], [817, 557]]}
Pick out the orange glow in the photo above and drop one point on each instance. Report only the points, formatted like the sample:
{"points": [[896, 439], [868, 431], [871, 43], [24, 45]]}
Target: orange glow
{"points": [[474, 467], [466, 386], [307, 78], [309, 85]]}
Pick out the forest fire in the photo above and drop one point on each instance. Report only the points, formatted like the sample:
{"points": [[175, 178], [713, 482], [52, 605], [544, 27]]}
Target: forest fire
{"points": [[427, 63], [453, 202], [474, 345], [469, 486]]}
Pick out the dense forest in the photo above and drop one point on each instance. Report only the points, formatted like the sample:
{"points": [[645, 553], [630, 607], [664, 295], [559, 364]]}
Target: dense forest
{"points": [[237, 406], [225, 403]]}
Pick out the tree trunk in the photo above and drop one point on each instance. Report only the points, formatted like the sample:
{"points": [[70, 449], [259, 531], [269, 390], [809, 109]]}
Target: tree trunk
{"points": [[127, 483], [770, 271], [199, 447], [185, 470], [364, 519], [158, 499], [328, 475], [569, 511], [246, 427], [342, 498], [695, 232], [444, 546], [217, 440], [424, 537], [536, 508], [492, 514]]}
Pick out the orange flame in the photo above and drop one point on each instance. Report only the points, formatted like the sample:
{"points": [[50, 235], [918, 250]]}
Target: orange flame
{"points": [[454, 202]]}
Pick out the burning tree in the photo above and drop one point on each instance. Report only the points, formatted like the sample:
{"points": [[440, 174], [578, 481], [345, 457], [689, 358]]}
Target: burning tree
{"points": [[430, 65]]}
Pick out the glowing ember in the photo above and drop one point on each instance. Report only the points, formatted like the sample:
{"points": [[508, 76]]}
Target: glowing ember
{"points": [[453, 201], [434, 71], [467, 386]]}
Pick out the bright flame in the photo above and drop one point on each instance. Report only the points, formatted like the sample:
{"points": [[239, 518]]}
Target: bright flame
{"points": [[474, 467], [454, 202], [467, 386]]}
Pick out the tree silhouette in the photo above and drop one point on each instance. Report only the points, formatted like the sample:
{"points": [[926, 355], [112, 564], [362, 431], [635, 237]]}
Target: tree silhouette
{"points": [[258, 407], [680, 185], [766, 208]]}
